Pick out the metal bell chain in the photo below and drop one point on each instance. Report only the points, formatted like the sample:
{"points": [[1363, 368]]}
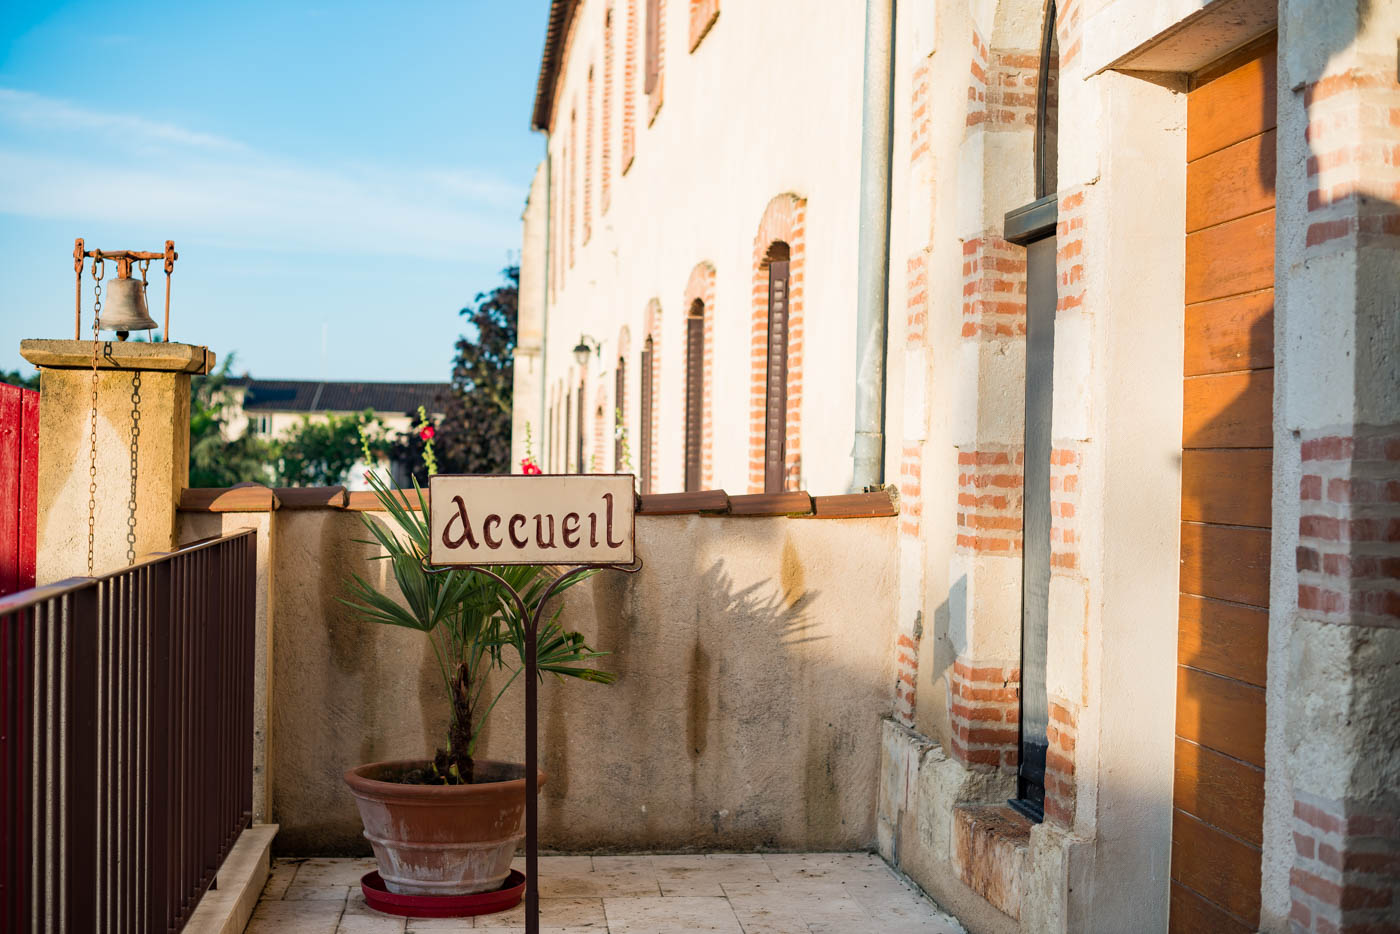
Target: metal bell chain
{"points": [[135, 436], [92, 447]]}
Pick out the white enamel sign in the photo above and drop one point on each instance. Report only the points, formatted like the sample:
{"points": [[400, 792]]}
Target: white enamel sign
{"points": [[553, 519]]}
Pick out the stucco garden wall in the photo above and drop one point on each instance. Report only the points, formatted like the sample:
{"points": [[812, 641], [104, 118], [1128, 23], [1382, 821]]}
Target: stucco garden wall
{"points": [[754, 664]]}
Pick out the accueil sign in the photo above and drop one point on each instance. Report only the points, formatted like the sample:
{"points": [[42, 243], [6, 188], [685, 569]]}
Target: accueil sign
{"points": [[560, 519]]}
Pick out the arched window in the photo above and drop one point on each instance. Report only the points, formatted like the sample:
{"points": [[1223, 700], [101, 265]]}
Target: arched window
{"points": [[775, 382], [1033, 226], [579, 465], [568, 426], [694, 393], [644, 442], [619, 413], [1047, 110]]}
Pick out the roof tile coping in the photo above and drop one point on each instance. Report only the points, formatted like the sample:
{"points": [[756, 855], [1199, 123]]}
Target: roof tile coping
{"points": [[254, 497]]}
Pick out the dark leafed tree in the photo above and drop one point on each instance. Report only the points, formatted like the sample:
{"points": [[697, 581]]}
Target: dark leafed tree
{"points": [[474, 434]]}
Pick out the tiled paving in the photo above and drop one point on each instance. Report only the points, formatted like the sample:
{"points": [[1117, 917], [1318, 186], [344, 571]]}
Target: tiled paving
{"points": [[802, 893]]}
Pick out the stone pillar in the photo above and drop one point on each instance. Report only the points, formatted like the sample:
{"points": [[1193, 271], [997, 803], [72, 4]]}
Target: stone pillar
{"points": [[1332, 821], [65, 420]]}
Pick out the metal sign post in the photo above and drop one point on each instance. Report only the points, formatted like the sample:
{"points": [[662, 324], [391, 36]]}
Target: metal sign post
{"points": [[585, 521]]}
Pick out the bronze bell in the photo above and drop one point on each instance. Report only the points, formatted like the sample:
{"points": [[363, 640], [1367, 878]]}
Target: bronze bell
{"points": [[124, 308]]}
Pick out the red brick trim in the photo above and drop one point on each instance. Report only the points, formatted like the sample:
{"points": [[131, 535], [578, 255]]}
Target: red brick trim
{"points": [[703, 14], [1353, 174], [571, 157], [911, 476], [1066, 463], [588, 161], [784, 221], [906, 686], [701, 287], [994, 288], [984, 709], [1069, 248], [1059, 763], [916, 298], [1346, 867], [605, 196], [990, 499], [657, 94], [1349, 527], [1068, 32], [629, 90]]}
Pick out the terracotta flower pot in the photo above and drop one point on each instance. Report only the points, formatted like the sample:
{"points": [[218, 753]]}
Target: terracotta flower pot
{"points": [[441, 839]]}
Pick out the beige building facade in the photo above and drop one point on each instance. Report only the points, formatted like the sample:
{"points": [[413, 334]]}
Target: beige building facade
{"points": [[1141, 405]]}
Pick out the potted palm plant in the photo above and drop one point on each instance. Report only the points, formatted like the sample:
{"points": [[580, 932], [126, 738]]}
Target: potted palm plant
{"points": [[449, 824]]}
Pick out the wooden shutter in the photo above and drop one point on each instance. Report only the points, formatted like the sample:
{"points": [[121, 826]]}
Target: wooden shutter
{"points": [[579, 464], [644, 455], [1226, 479], [619, 410], [775, 405], [653, 56]]}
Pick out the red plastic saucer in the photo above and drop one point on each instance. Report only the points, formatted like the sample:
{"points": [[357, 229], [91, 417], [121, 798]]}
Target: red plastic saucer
{"points": [[443, 906]]}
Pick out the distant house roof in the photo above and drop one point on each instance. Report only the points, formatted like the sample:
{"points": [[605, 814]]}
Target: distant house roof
{"points": [[295, 395]]}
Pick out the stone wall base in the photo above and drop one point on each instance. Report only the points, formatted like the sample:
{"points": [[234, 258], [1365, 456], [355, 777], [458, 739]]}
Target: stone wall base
{"points": [[945, 826]]}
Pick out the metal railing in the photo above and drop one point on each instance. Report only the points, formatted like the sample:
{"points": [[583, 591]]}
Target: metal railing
{"points": [[126, 740]]}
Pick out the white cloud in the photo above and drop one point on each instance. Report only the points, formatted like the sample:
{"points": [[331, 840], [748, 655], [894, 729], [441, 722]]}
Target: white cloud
{"points": [[207, 187]]}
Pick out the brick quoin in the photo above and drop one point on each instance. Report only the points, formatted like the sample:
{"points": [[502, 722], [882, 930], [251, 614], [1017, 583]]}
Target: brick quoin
{"points": [[572, 156], [703, 14], [911, 500], [785, 221], [652, 323], [701, 286], [1069, 249], [1001, 93], [556, 201], [920, 116], [605, 195], [906, 677], [984, 707], [1066, 460], [1348, 555], [990, 487], [588, 162], [994, 288], [1353, 174], [977, 84], [916, 298], [1068, 32], [1345, 876], [629, 89], [1059, 764], [657, 93]]}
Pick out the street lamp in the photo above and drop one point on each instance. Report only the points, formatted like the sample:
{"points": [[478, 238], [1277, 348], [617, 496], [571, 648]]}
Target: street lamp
{"points": [[585, 346]]}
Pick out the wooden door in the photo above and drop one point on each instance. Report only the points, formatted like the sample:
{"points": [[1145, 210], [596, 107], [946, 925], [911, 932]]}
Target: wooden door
{"points": [[1226, 487]]}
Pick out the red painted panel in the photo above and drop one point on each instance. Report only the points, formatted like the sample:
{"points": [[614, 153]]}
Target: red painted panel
{"points": [[11, 441], [19, 486], [29, 488]]}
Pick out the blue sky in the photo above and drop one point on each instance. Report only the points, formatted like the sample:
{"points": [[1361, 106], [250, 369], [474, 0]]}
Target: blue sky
{"points": [[353, 172]]}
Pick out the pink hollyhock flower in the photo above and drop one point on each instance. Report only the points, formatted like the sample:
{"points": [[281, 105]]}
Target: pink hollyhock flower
{"points": [[428, 433]]}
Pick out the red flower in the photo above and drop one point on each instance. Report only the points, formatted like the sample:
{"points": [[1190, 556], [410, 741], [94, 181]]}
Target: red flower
{"points": [[427, 433], [529, 467]]}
